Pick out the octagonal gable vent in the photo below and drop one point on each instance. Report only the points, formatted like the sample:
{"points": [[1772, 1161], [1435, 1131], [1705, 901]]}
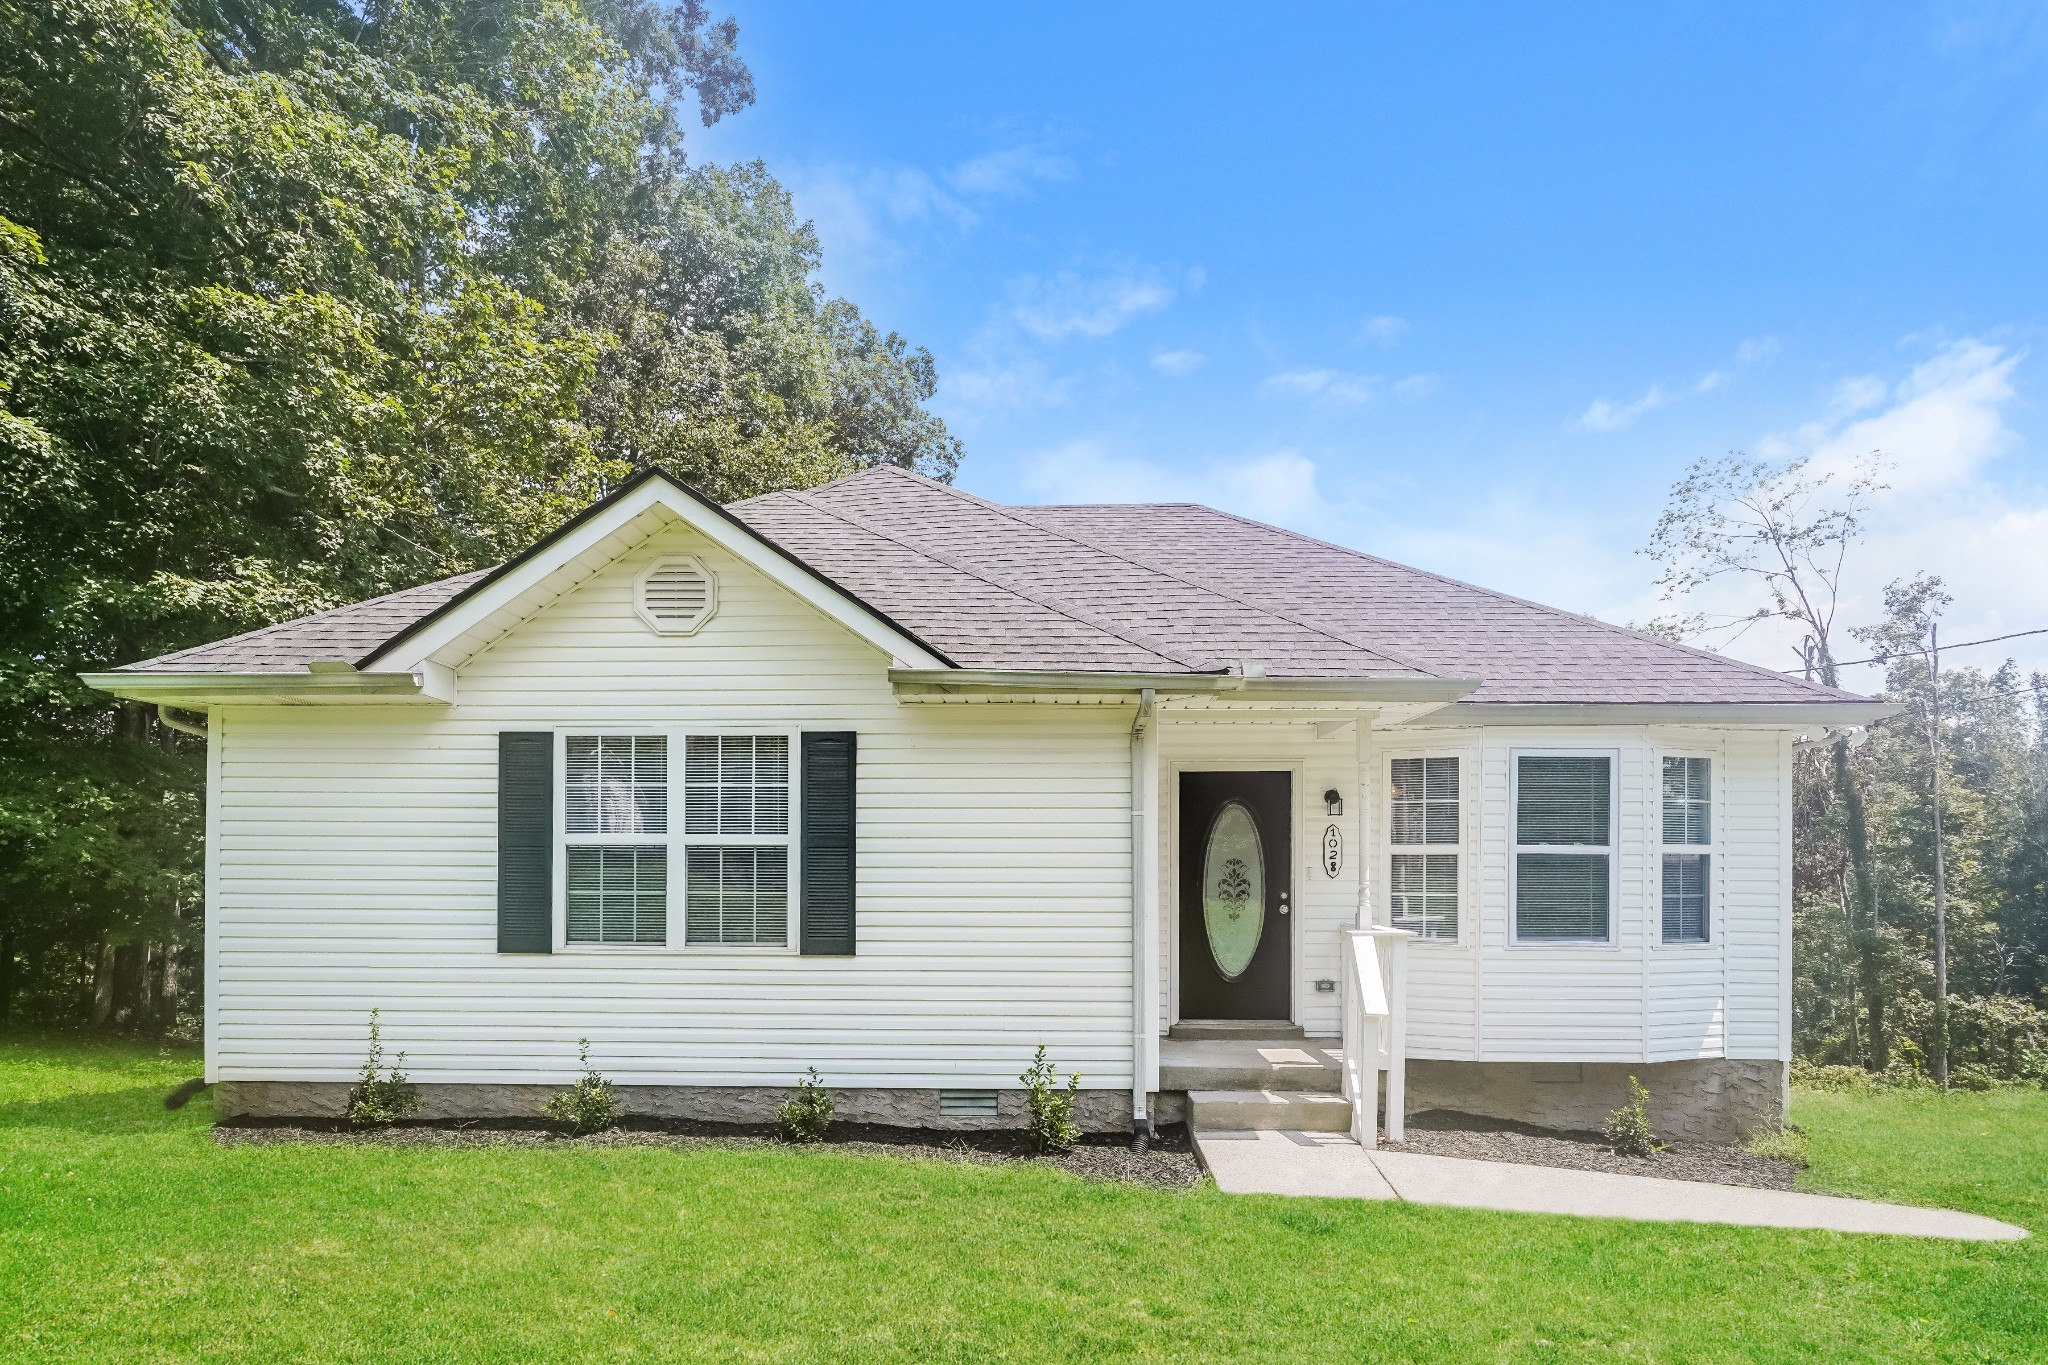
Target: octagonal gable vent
{"points": [[676, 596]]}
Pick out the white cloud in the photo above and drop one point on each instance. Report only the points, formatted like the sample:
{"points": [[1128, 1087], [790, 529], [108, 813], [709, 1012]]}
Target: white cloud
{"points": [[1324, 386], [1178, 363], [1073, 305], [1015, 383], [1340, 389], [1010, 171], [1382, 331], [1605, 414]]}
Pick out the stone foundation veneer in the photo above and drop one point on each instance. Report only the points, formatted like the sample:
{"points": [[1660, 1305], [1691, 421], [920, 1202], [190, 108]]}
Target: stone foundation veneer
{"points": [[1696, 1101], [1097, 1111]]}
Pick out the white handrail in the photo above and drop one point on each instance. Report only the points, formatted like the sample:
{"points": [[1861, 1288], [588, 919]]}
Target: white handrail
{"points": [[1375, 1030]]}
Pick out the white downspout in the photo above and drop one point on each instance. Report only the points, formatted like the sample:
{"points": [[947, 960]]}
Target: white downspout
{"points": [[1144, 910]]}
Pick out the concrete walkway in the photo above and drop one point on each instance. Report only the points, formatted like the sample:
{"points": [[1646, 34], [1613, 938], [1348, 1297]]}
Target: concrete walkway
{"points": [[1331, 1165]]}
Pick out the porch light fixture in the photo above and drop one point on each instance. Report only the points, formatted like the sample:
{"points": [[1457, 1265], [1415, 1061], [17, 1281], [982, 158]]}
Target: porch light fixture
{"points": [[1333, 801]]}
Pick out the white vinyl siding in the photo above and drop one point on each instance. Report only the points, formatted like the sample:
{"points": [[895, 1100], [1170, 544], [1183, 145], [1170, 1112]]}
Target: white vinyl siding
{"points": [[358, 855], [1564, 845]]}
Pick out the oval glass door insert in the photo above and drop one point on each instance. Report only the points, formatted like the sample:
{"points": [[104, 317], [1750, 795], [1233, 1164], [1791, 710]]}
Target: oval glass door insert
{"points": [[1233, 889]]}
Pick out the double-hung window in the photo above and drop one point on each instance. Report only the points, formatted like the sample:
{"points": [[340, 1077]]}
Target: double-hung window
{"points": [[1688, 835], [623, 841], [1423, 833], [1564, 848], [615, 832], [736, 824]]}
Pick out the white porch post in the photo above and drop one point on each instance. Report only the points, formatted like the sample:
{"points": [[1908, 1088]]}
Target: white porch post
{"points": [[1144, 905]]}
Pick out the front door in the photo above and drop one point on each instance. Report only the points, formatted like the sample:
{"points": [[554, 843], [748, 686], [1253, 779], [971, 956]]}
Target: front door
{"points": [[1236, 957]]}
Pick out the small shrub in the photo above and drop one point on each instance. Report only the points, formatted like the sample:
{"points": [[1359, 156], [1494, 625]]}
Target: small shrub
{"points": [[587, 1106], [1786, 1144], [1628, 1128], [375, 1101], [806, 1114], [1052, 1109]]}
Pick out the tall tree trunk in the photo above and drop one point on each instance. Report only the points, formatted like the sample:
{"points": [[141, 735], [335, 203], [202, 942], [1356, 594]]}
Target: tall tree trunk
{"points": [[170, 977], [103, 985], [6, 964], [1869, 945], [130, 997]]}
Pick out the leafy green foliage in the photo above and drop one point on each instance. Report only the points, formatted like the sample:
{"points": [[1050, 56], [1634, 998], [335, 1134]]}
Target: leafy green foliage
{"points": [[805, 1115], [590, 1105], [302, 303], [1051, 1125], [1628, 1128], [375, 1100]]}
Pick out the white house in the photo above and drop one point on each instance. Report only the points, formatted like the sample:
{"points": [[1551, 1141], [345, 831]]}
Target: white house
{"points": [[891, 781]]}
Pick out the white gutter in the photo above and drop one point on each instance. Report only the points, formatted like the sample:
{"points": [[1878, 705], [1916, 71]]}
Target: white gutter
{"points": [[1805, 713], [198, 691], [961, 682], [1144, 910]]}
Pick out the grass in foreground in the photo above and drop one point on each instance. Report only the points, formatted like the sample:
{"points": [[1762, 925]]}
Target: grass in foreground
{"points": [[126, 1234]]}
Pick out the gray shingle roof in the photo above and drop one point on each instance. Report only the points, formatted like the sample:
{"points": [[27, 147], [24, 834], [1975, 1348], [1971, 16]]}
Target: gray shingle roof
{"points": [[1174, 588], [348, 632]]}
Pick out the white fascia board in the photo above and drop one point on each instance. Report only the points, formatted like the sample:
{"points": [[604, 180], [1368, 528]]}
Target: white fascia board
{"points": [[1770, 714], [713, 524], [198, 691], [911, 683]]}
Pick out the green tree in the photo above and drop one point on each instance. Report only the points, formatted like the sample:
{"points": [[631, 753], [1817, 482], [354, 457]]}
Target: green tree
{"points": [[302, 302]]}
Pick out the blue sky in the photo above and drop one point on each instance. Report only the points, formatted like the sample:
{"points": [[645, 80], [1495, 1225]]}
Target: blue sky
{"points": [[1464, 286]]}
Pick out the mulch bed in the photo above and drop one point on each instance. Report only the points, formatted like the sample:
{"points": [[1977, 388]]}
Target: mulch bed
{"points": [[1168, 1163], [1442, 1133]]}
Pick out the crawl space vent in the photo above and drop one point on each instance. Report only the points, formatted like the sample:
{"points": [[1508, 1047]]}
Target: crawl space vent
{"points": [[967, 1103], [676, 596]]}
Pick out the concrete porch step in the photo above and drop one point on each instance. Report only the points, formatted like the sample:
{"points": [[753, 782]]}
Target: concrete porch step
{"points": [[1267, 1111], [1195, 1029], [1250, 1064]]}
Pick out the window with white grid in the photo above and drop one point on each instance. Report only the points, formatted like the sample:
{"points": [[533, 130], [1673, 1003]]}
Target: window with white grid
{"points": [[615, 829], [736, 824], [729, 849], [1688, 840], [1423, 815]]}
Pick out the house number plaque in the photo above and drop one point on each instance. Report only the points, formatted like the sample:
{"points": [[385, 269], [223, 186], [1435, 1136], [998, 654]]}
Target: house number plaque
{"points": [[1333, 851]]}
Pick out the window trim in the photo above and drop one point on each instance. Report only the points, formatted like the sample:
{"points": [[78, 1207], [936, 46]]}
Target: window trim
{"points": [[678, 842], [1612, 851], [1468, 831], [1716, 822]]}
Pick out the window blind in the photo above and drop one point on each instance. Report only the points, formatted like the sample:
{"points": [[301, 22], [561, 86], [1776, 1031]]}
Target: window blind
{"points": [[617, 895], [1685, 897], [1563, 847]]}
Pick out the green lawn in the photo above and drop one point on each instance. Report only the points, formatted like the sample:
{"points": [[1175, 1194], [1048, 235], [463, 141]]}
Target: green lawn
{"points": [[126, 1234]]}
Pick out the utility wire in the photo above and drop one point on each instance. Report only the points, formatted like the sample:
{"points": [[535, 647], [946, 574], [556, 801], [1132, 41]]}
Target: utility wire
{"points": [[1885, 659]]}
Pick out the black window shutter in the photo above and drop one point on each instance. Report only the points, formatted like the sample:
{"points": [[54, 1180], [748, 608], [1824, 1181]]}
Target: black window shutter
{"points": [[828, 766], [526, 841]]}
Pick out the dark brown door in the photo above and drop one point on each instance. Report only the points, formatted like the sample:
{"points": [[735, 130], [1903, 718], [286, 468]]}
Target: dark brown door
{"points": [[1236, 957]]}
